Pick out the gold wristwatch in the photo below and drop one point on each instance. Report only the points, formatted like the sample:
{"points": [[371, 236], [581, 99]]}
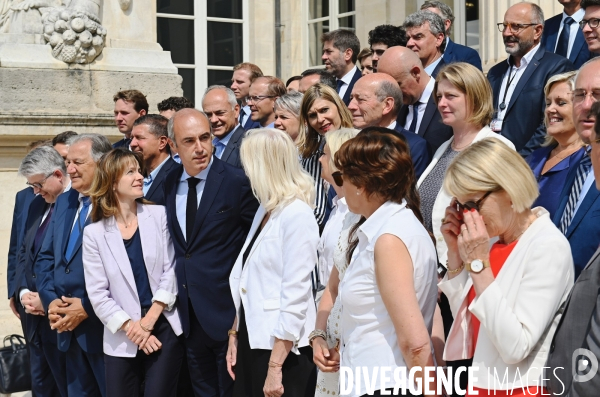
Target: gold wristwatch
{"points": [[477, 265]]}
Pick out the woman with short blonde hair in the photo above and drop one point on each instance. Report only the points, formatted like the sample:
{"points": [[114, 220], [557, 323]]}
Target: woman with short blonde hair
{"points": [[505, 298], [270, 280]]}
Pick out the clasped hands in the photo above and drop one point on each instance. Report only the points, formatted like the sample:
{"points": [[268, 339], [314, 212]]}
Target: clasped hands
{"points": [[32, 303], [66, 314], [328, 360], [141, 334]]}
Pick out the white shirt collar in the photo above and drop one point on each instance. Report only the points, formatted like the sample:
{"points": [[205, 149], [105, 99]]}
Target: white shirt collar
{"points": [[526, 58], [429, 69], [372, 225], [577, 16], [201, 175], [392, 126], [347, 79], [427, 91], [157, 169]]}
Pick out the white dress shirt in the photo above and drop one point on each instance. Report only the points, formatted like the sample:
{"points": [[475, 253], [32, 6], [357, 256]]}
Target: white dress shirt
{"points": [[245, 114], [577, 17], [347, 79], [330, 237], [429, 69], [427, 92], [182, 192]]}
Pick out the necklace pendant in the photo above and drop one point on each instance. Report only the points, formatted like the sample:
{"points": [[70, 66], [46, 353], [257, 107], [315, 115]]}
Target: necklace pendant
{"points": [[502, 106]]}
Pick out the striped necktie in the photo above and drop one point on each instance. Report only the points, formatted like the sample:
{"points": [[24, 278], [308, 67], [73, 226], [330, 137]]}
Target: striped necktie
{"points": [[582, 172]]}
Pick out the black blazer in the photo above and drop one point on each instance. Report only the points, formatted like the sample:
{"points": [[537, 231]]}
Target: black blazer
{"points": [[231, 154], [224, 217], [17, 233], [419, 149], [156, 193], [580, 53], [524, 118], [357, 75]]}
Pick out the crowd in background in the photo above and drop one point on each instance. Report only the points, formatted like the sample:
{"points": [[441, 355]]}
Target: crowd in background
{"points": [[398, 208]]}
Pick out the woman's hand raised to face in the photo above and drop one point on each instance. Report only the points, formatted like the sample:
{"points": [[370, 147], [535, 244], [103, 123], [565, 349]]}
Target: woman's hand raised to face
{"points": [[473, 241], [450, 229]]}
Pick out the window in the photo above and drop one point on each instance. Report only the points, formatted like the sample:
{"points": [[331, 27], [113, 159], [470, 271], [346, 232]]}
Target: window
{"points": [[206, 39], [324, 16]]}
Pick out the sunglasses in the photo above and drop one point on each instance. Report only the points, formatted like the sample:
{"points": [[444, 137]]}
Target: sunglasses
{"points": [[337, 178], [470, 205]]}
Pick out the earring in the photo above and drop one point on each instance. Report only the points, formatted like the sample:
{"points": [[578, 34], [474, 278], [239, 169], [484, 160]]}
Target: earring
{"points": [[358, 193]]}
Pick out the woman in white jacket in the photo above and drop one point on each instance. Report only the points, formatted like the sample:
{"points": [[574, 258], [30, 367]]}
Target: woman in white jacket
{"points": [[506, 298], [270, 281]]}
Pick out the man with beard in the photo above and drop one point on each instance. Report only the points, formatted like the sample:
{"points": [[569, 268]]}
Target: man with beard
{"points": [[518, 83], [340, 52]]}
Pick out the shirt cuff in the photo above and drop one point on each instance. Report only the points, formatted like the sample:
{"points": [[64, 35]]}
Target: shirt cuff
{"points": [[21, 293], [165, 297], [117, 321]]}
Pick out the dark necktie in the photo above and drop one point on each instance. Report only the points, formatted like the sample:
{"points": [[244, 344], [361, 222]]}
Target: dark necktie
{"points": [[562, 47], [77, 228], [191, 207], [39, 234], [582, 172], [413, 123], [242, 114], [339, 86]]}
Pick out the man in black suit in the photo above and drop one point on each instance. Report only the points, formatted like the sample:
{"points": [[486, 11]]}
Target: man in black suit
{"points": [[149, 137], [419, 114], [383, 37], [340, 52], [427, 38], [310, 77], [220, 106], [453, 52], [244, 75], [46, 172], [518, 83], [210, 208], [129, 106]]}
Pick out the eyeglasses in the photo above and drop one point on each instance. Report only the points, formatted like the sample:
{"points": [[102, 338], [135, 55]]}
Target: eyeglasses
{"points": [[337, 178], [514, 27], [593, 22], [470, 205], [258, 98], [39, 185], [579, 95]]}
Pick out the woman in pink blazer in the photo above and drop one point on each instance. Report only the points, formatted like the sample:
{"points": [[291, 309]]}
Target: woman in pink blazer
{"points": [[128, 261]]}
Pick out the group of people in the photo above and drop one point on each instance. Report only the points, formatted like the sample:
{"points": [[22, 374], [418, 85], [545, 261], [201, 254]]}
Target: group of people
{"points": [[414, 214]]}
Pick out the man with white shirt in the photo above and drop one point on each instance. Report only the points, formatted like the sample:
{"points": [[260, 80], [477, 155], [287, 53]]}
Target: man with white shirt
{"points": [[340, 52], [563, 36], [149, 137], [427, 38], [261, 99], [222, 110], [244, 75], [419, 114], [518, 83]]}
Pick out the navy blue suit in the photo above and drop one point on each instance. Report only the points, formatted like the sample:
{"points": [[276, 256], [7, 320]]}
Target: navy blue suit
{"points": [[231, 154], [58, 277], [524, 118], [355, 78], [48, 376], [156, 193], [224, 217], [419, 149], [584, 230], [17, 233], [580, 53], [250, 124], [455, 52], [122, 143]]}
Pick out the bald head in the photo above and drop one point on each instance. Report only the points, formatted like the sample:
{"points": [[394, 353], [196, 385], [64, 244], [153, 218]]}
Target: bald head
{"points": [[405, 67], [375, 101], [189, 130]]}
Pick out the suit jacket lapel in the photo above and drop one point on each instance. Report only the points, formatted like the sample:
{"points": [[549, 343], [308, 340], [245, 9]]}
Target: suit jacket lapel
{"points": [[114, 240], [36, 212], [535, 62], [69, 218], [211, 188], [237, 134], [577, 44], [551, 39], [258, 218], [171, 202], [586, 204], [160, 177], [427, 116], [402, 114]]}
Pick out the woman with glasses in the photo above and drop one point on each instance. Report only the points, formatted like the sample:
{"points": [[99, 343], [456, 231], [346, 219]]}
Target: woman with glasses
{"points": [[322, 111], [506, 298], [563, 148]]}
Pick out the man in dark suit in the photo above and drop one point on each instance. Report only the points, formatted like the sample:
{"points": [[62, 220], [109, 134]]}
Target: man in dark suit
{"points": [[453, 52], [149, 137], [376, 101], [518, 83], [244, 75], [383, 37], [129, 106], [563, 36], [59, 270], [210, 208], [572, 372], [427, 38], [340, 52], [220, 106], [419, 114], [46, 172]]}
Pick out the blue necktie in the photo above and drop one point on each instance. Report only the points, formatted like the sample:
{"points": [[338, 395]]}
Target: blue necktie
{"points": [[413, 124], [339, 86], [77, 228], [562, 47], [219, 147], [582, 172]]}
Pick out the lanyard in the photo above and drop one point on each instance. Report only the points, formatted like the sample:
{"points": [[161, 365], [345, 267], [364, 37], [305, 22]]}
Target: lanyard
{"points": [[509, 80]]}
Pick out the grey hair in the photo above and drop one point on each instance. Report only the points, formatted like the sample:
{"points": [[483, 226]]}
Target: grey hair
{"points": [[100, 144], [388, 89], [43, 160], [171, 123], [290, 102], [444, 8], [537, 15], [436, 23], [230, 95]]}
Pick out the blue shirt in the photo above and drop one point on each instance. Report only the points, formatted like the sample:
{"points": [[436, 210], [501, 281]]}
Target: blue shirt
{"points": [[221, 144], [182, 192], [148, 181], [133, 246]]}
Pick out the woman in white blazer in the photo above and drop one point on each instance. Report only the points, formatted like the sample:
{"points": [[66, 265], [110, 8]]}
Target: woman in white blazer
{"points": [[506, 299], [270, 282], [128, 261]]}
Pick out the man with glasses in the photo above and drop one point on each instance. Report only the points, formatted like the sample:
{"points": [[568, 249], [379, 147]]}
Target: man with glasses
{"points": [[518, 83], [590, 25], [263, 92]]}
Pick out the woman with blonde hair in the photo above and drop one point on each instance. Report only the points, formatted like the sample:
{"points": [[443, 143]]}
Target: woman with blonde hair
{"points": [[563, 147], [270, 281], [128, 261], [322, 111], [506, 298]]}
